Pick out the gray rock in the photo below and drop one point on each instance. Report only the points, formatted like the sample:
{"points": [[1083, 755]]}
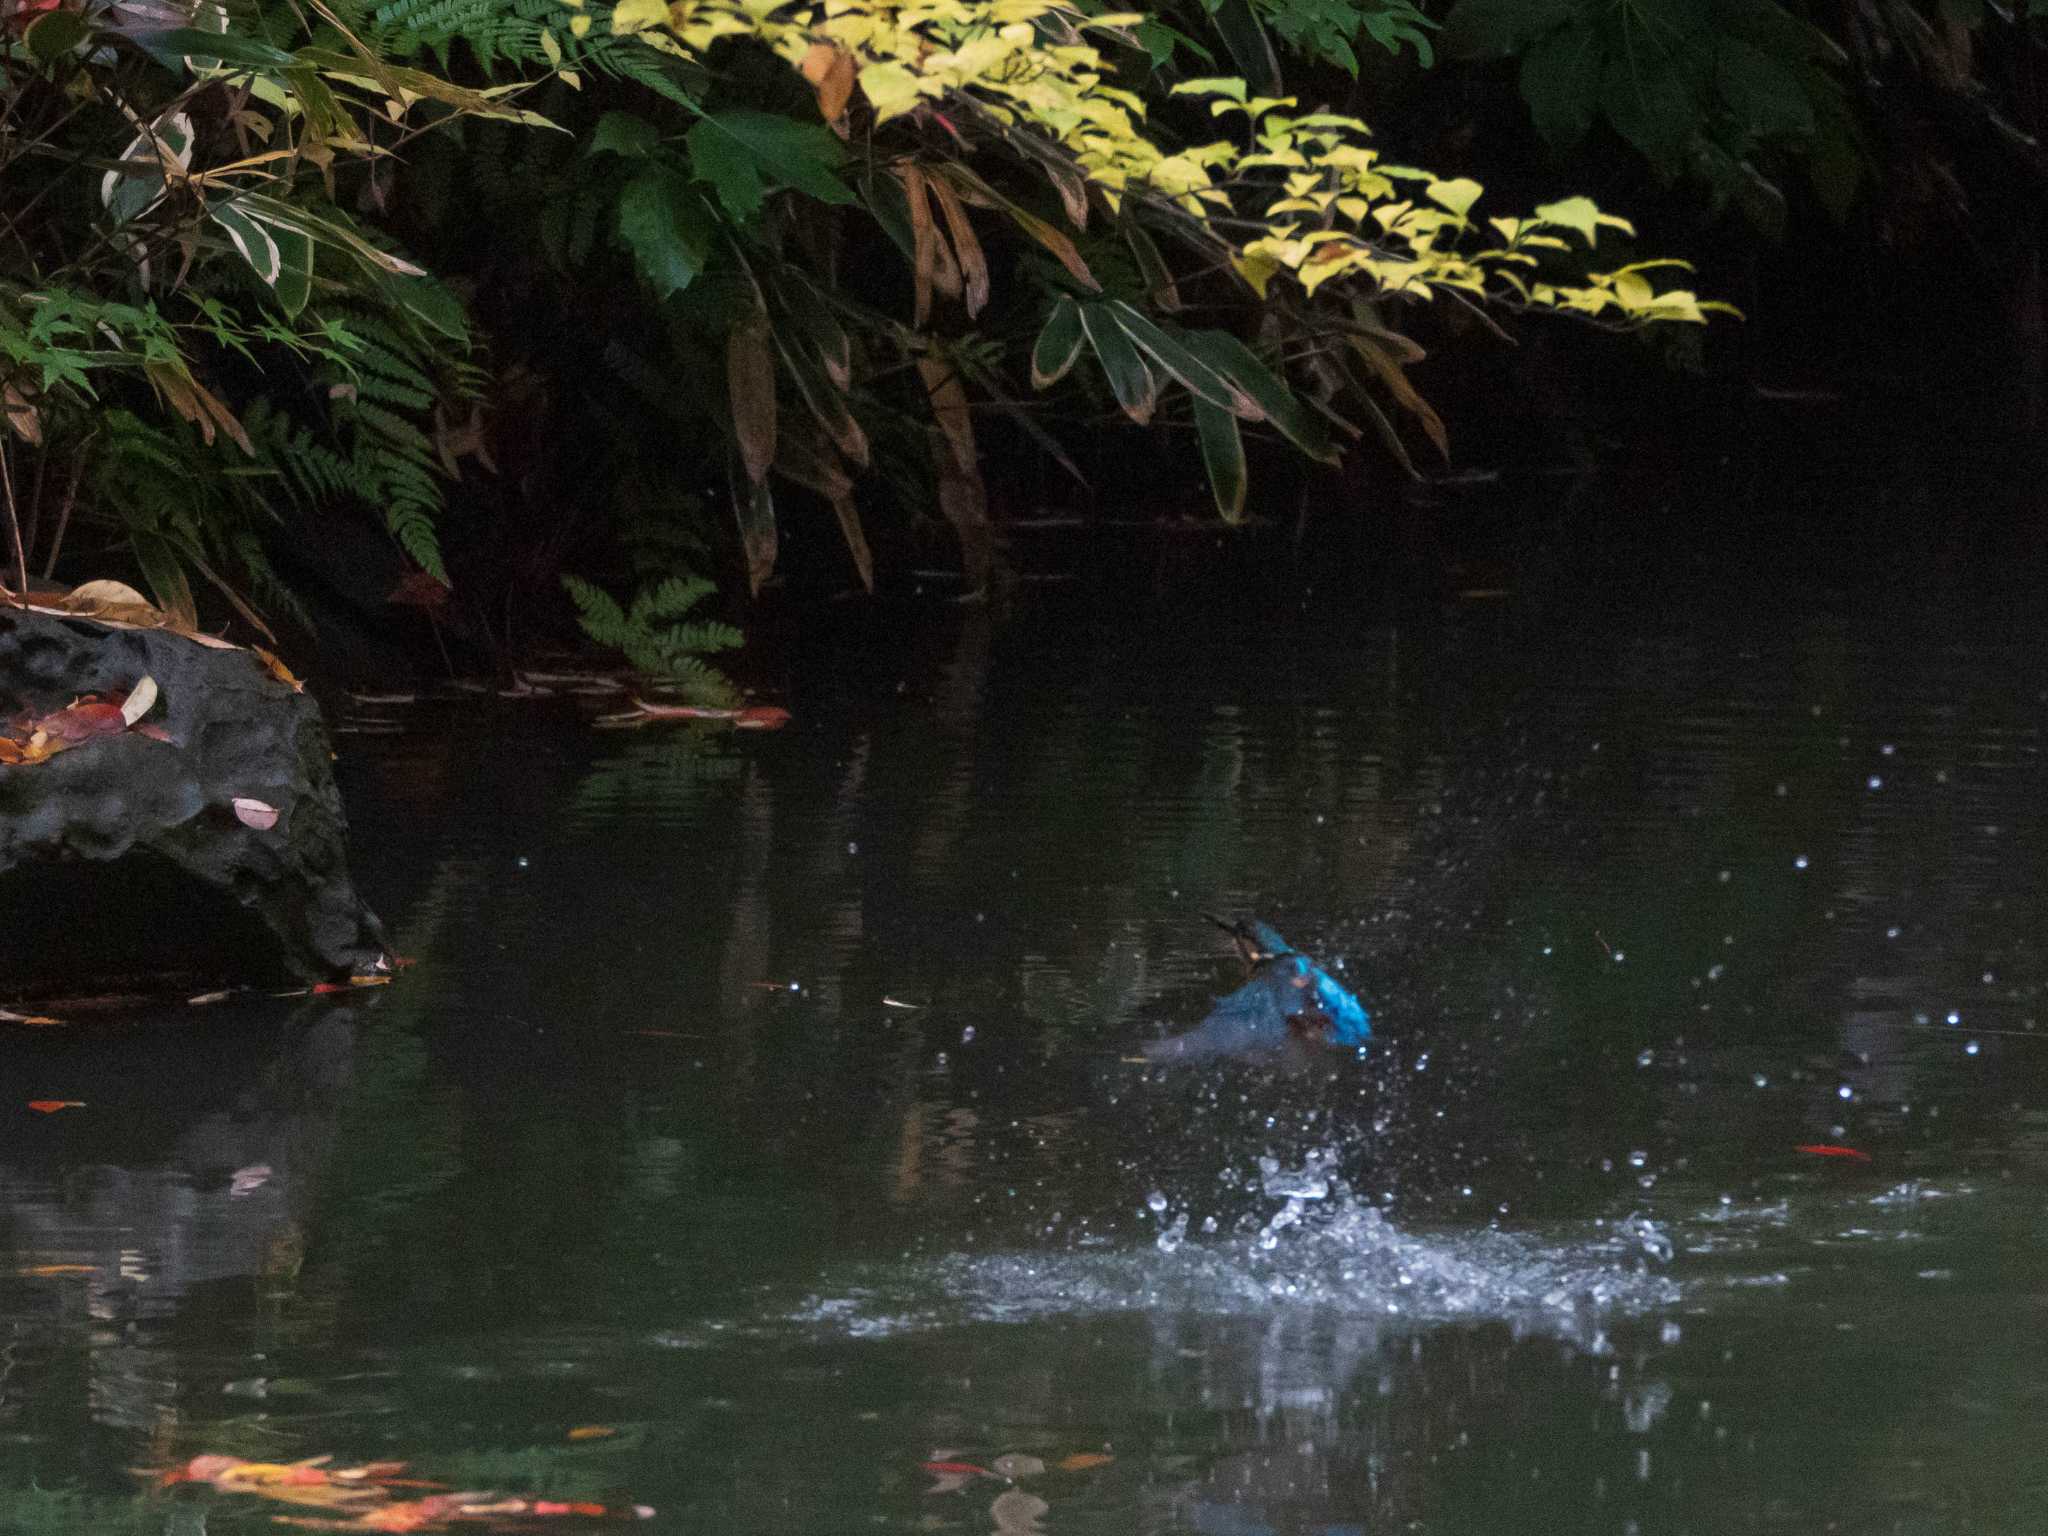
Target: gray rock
{"points": [[234, 732]]}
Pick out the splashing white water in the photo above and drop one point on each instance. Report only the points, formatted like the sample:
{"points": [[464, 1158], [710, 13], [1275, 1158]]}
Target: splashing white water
{"points": [[1323, 1247]]}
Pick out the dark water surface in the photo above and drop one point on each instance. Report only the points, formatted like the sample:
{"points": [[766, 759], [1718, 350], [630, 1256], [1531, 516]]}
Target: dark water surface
{"points": [[644, 1141]]}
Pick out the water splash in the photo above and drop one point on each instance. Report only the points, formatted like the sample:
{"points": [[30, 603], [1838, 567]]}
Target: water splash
{"points": [[1324, 1247]]}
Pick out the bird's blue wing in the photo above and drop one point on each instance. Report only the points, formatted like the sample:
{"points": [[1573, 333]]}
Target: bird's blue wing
{"points": [[1246, 1022]]}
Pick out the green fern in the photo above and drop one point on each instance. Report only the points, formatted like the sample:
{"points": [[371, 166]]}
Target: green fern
{"points": [[654, 638]]}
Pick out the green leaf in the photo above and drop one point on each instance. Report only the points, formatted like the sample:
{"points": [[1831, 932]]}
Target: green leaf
{"points": [[1129, 379], [294, 283], [1171, 353], [172, 46], [1058, 344], [128, 194], [428, 301], [1648, 101], [1268, 391], [1247, 44], [1223, 456], [1761, 93], [664, 223], [1498, 29], [251, 238], [741, 155], [626, 134], [1561, 76], [55, 33]]}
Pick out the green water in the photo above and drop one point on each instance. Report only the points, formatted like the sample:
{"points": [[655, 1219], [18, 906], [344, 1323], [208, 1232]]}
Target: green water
{"points": [[643, 1141]]}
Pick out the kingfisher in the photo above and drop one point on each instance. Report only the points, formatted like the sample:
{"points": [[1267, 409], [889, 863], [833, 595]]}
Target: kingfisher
{"points": [[1287, 999]]}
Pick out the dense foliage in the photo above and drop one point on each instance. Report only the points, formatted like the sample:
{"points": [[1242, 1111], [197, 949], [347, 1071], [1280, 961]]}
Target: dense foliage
{"points": [[799, 264]]}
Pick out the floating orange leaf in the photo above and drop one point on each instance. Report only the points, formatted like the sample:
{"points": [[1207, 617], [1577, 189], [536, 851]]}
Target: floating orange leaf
{"points": [[592, 1432], [1081, 1461], [51, 1106]]}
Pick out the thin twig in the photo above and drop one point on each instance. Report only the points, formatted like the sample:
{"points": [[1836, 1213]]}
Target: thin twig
{"points": [[70, 497], [13, 522]]}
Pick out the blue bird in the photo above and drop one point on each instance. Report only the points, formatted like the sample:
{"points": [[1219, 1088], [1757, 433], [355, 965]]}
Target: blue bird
{"points": [[1287, 1000]]}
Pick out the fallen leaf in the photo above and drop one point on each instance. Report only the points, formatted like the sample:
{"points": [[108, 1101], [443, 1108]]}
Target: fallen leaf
{"points": [[207, 997], [683, 711], [278, 670], [153, 732], [44, 1271], [83, 719], [761, 717], [95, 596], [369, 981], [1827, 1151], [941, 1468], [244, 1180], [1082, 1461], [897, 1002], [592, 1432], [26, 1018], [1017, 1513], [139, 700], [51, 1106], [255, 813]]}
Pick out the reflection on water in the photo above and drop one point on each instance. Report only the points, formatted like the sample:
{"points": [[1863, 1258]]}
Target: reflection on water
{"points": [[769, 1102]]}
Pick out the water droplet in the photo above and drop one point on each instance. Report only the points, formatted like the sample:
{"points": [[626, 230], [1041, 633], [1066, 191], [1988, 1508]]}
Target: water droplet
{"points": [[1892, 932], [1638, 1159], [522, 861], [1845, 1092], [1156, 1203], [853, 847], [1874, 782], [1619, 957], [1887, 750], [1782, 791], [1971, 1048], [1716, 972], [1644, 1058], [1760, 1080], [1955, 1018], [1800, 862], [967, 1035], [1725, 876]]}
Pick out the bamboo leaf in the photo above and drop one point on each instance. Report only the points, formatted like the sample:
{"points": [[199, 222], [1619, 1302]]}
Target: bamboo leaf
{"points": [[1058, 344], [1159, 283], [750, 382], [1188, 370], [1237, 23], [251, 239], [924, 241], [1223, 456], [755, 507], [1390, 373], [1129, 379], [966, 248], [1276, 402]]}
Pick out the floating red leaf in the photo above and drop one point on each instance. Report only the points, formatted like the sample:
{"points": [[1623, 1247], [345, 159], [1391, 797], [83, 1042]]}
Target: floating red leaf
{"points": [[51, 1106], [1850, 1153]]}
